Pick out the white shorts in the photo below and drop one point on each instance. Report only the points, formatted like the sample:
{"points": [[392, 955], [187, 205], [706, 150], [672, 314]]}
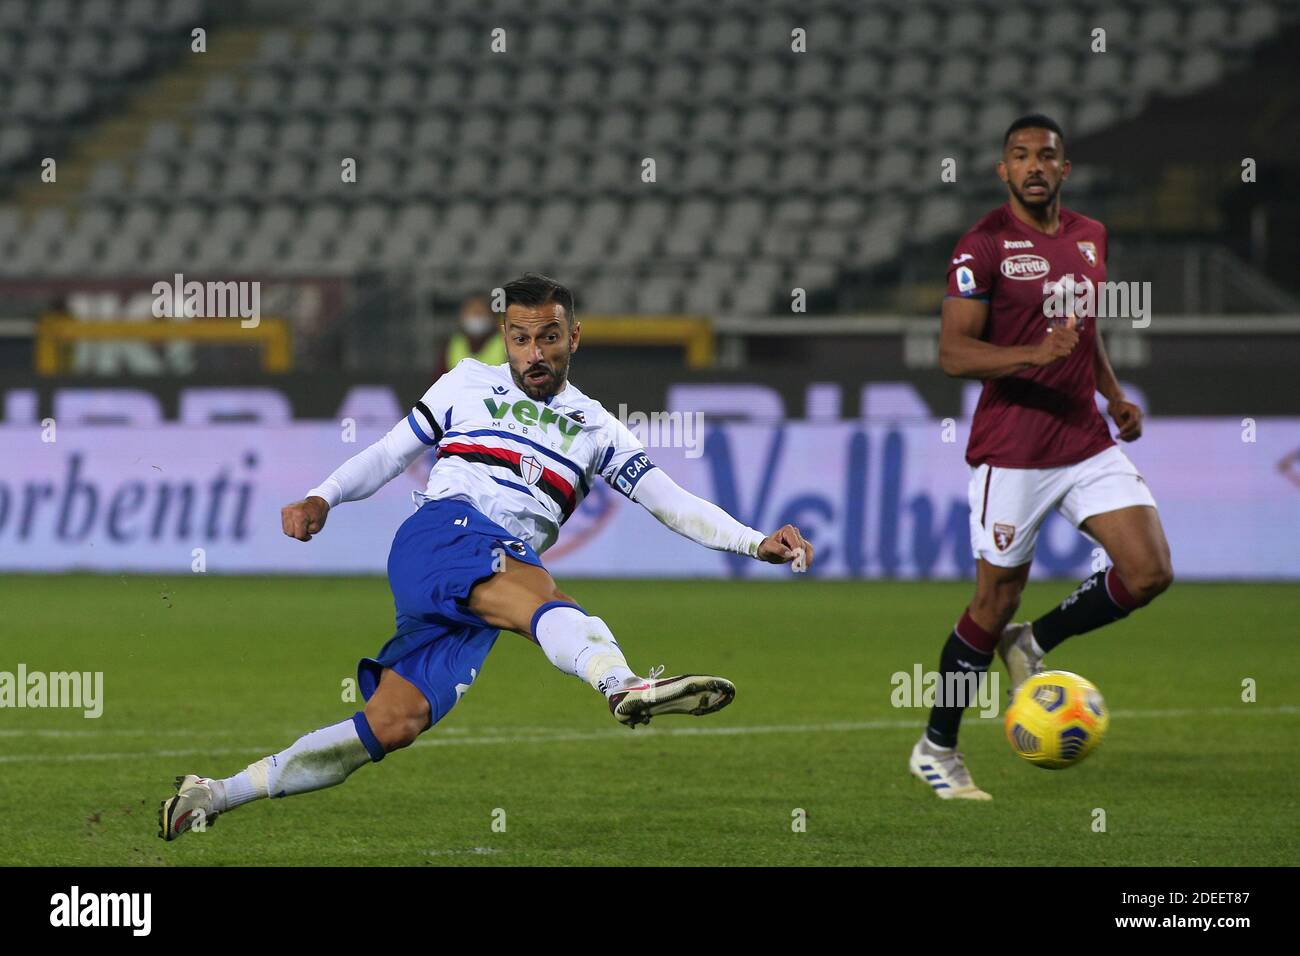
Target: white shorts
{"points": [[1008, 505]]}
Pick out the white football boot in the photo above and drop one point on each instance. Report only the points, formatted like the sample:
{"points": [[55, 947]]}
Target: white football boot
{"points": [[191, 807], [695, 694], [944, 772], [1016, 648]]}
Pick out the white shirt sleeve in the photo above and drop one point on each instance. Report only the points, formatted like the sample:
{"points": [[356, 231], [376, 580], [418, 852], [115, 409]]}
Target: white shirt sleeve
{"points": [[366, 472], [629, 471], [693, 517], [624, 461]]}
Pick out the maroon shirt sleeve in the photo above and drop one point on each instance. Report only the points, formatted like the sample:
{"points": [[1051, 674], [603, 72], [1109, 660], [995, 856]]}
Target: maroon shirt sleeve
{"points": [[973, 266]]}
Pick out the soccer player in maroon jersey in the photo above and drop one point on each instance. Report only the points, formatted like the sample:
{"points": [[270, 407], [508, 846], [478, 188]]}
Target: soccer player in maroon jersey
{"points": [[1037, 441]]}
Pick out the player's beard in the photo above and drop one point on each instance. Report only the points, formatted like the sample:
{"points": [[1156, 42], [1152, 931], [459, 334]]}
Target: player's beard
{"points": [[559, 372], [1039, 204]]}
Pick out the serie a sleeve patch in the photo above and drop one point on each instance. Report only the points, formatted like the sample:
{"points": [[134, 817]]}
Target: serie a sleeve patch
{"points": [[631, 472]]}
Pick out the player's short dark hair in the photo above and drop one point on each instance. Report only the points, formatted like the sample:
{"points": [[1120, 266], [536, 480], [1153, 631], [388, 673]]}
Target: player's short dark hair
{"points": [[535, 289], [1034, 121]]}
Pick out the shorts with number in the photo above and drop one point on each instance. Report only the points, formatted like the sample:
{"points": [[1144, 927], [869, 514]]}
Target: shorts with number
{"points": [[1008, 505], [439, 553]]}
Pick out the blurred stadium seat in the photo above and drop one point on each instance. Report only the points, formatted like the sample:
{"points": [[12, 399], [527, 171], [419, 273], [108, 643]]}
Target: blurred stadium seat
{"points": [[473, 164]]}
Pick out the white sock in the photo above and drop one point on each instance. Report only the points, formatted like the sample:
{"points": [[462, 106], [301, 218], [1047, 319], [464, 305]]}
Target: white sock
{"points": [[582, 646], [244, 787], [320, 759]]}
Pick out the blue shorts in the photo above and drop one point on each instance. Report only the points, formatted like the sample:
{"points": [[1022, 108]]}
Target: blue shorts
{"points": [[438, 555]]}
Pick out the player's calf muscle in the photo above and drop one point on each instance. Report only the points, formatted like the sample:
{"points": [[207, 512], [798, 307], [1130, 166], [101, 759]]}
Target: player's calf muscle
{"points": [[995, 612], [997, 595]]}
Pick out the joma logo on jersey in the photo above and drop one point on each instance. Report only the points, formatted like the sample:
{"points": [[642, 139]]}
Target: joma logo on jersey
{"points": [[1024, 267], [527, 413]]}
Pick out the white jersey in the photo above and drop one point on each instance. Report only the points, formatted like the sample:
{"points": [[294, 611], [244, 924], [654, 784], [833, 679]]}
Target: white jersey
{"points": [[523, 463], [527, 464]]}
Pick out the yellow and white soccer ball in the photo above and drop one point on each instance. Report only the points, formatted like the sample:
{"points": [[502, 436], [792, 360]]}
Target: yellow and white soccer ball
{"points": [[1056, 719]]}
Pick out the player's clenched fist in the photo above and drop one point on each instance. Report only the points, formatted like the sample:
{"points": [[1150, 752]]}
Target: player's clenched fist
{"points": [[302, 519], [1128, 417], [784, 546], [1058, 343]]}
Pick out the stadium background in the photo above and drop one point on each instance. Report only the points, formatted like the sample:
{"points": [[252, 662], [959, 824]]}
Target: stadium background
{"points": [[796, 146]]}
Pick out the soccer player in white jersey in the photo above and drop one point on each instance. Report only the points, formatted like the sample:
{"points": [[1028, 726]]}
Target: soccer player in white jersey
{"points": [[518, 446]]}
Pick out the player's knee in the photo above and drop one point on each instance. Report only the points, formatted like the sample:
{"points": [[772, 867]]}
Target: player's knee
{"points": [[1151, 581], [396, 729], [399, 733]]}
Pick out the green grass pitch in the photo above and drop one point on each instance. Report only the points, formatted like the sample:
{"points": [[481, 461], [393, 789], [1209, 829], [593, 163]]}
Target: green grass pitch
{"points": [[205, 674]]}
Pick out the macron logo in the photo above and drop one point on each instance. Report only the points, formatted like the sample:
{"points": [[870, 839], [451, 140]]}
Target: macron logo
{"points": [[103, 909]]}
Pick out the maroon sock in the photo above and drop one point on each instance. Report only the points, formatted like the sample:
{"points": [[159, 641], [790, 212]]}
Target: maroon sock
{"points": [[972, 635], [1118, 593], [969, 649]]}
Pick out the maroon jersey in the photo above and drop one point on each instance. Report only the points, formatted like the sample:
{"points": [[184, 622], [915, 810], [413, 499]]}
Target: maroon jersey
{"points": [[1039, 417]]}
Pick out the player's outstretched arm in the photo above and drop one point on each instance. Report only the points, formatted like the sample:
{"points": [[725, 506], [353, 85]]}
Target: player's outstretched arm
{"points": [[964, 354], [707, 524], [359, 477]]}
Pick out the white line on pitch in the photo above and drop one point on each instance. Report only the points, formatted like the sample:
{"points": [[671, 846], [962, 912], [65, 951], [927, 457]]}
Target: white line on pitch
{"points": [[493, 734], [560, 736]]}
